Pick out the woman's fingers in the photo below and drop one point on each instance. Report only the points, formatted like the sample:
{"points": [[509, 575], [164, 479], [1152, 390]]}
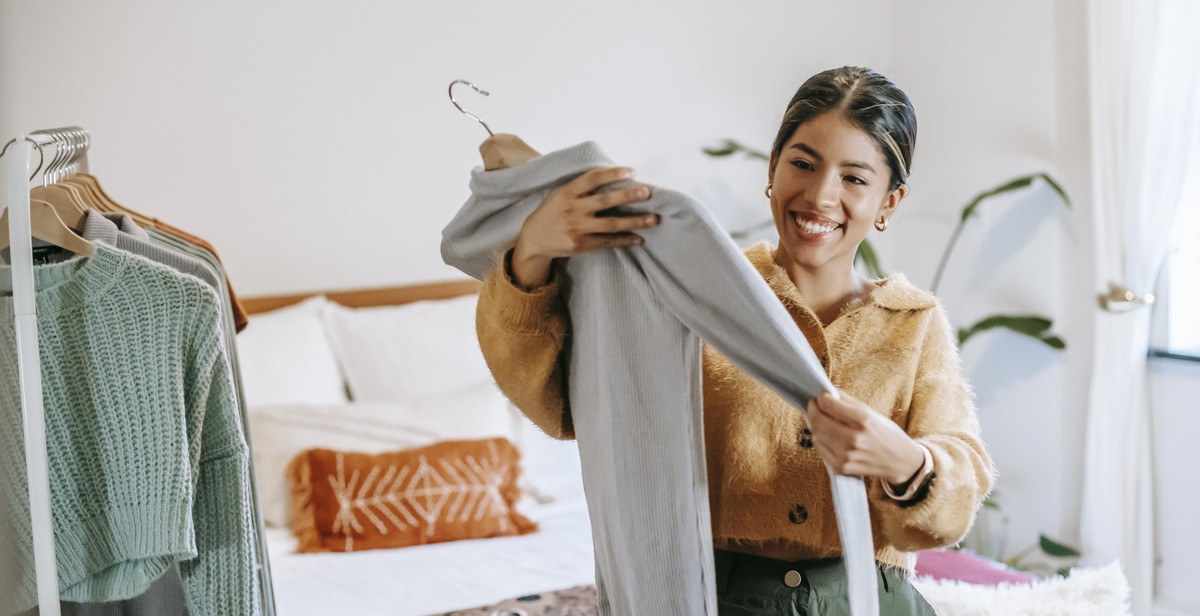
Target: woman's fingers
{"points": [[585, 186], [836, 434], [566, 223], [839, 460], [623, 224], [835, 440], [844, 410], [615, 197], [597, 241], [591, 180]]}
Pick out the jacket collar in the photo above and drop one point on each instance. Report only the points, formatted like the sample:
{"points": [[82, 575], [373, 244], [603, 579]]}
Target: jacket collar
{"points": [[893, 293]]}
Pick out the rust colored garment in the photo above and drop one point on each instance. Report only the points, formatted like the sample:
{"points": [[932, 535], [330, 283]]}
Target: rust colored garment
{"points": [[240, 318], [349, 502]]}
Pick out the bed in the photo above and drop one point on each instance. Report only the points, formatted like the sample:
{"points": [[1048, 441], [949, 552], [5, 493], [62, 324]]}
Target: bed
{"points": [[385, 369], [301, 392]]}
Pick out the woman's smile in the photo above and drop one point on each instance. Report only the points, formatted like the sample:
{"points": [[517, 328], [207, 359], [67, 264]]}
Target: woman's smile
{"points": [[812, 228]]}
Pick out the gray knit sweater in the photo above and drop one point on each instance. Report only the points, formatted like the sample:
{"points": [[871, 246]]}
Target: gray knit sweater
{"points": [[148, 464], [637, 318]]}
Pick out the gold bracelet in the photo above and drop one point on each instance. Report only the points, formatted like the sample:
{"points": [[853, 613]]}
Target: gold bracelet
{"points": [[914, 484]]}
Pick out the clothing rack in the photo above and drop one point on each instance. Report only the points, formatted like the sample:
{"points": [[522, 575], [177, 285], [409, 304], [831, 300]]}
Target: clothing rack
{"points": [[63, 152], [37, 466]]}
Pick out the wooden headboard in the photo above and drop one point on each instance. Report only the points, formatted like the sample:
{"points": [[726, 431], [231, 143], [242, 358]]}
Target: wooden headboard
{"points": [[363, 298]]}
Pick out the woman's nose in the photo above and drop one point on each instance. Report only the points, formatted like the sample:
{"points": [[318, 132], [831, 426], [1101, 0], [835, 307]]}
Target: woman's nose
{"points": [[824, 191]]}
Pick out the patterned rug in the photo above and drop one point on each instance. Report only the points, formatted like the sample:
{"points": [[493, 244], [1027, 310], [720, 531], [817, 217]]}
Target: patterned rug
{"points": [[1086, 592], [577, 601]]}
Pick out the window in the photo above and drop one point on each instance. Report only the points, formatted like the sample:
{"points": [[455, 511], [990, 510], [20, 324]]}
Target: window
{"points": [[1176, 328]]}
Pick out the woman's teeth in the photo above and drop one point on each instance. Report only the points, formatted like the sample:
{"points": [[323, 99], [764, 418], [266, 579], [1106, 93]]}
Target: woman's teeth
{"points": [[814, 228]]}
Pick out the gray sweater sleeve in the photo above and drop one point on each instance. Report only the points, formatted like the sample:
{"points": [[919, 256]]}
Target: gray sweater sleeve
{"points": [[701, 276]]}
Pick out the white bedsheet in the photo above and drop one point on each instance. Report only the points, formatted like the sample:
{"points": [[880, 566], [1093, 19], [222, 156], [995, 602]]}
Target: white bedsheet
{"points": [[436, 578]]}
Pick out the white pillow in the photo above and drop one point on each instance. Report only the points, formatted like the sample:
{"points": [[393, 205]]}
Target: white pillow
{"points": [[285, 357], [279, 433], [550, 468], [415, 351]]}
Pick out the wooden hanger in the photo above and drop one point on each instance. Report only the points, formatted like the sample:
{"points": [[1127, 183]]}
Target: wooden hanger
{"points": [[91, 186], [108, 204], [498, 151], [503, 151], [68, 201], [46, 225]]}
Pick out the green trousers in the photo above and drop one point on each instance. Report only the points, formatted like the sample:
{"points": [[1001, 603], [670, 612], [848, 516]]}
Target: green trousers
{"points": [[756, 586]]}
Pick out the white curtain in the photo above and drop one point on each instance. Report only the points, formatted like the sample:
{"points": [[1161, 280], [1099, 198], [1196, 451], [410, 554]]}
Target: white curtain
{"points": [[1145, 129]]}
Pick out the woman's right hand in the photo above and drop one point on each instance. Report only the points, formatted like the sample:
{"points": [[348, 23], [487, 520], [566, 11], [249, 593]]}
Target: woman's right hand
{"points": [[566, 224]]}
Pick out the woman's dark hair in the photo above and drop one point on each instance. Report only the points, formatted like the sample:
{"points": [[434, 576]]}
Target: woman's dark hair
{"points": [[867, 100]]}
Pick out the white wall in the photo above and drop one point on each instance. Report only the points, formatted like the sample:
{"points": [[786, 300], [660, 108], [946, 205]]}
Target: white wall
{"points": [[991, 83], [313, 142]]}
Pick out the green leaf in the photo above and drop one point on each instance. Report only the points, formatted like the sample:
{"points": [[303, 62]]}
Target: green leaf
{"points": [[1062, 194], [726, 149], [988, 503], [1008, 186], [1011, 185], [1055, 548], [1064, 571], [730, 147], [1055, 342], [866, 254], [1034, 326]]}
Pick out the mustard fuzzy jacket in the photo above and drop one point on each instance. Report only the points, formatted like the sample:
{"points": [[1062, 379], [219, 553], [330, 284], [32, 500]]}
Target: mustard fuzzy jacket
{"points": [[769, 492]]}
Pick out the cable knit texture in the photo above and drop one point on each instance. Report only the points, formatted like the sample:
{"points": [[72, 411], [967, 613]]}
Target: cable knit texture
{"points": [[769, 492], [148, 464]]}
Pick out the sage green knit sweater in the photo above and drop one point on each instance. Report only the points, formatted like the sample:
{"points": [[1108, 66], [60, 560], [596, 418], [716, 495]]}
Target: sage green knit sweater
{"points": [[148, 462]]}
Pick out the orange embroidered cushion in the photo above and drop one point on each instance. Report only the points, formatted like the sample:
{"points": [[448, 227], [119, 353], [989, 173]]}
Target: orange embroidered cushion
{"points": [[344, 502]]}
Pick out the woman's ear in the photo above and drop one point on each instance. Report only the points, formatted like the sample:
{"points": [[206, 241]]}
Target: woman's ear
{"points": [[893, 199]]}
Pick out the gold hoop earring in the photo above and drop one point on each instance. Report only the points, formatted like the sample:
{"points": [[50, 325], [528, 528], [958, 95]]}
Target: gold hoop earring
{"points": [[767, 191], [881, 225]]}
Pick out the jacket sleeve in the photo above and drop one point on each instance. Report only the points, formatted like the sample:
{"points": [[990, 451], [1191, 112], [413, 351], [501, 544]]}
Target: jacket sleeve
{"points": [[223, 577], [941, 417], [522, 335]]}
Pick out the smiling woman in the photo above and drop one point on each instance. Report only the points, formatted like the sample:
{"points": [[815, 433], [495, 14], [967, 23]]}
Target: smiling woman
{"points": [[905, 419], [838, 167]]}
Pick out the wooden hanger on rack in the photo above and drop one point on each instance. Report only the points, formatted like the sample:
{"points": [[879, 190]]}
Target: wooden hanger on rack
{"points": [[87, 184], [45, 221], [91, 185], [498, 151], [45, 225], [69, 201]]}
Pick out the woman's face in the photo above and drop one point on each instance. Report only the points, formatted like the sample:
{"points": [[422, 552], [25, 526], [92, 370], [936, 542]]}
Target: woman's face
{"points": [[829, 186]]}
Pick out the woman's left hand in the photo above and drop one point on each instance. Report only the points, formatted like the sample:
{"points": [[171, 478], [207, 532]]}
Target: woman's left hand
{"points": [[856, 440]]}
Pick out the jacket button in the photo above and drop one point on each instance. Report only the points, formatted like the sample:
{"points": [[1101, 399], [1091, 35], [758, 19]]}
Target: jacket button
{"points": [[792, 578], [798, 514], [806, 440]]}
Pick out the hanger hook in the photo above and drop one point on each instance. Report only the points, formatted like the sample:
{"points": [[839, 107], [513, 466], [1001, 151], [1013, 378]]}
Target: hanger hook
{"points": [[460, 107], [41, 154]]}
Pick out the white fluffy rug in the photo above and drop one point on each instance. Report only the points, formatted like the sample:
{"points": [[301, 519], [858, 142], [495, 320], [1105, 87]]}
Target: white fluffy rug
{"points": [[1086, 592]]}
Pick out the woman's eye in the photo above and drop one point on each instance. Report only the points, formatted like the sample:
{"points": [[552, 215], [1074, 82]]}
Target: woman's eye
{"points": [[854, 179], [802, 164]]}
